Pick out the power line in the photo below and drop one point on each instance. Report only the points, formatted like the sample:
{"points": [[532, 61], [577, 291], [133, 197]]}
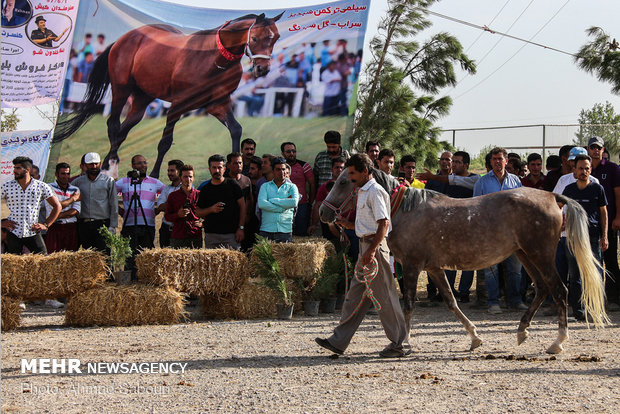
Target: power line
{"points": [[490, 23], [488, 29]]}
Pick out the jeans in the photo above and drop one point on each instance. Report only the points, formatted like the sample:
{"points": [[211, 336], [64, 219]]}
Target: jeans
{"points": [[611, 265], [354, 249], [300, 225], [513, 282], [164, 235], [277, 237], [574, 278], [255, 103], [141, 237], [15, 245], [186, 243], [467, 278]]}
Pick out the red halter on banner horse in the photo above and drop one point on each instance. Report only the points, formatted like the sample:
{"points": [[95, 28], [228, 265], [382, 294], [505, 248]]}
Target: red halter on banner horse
{"points": [[195, 71]]}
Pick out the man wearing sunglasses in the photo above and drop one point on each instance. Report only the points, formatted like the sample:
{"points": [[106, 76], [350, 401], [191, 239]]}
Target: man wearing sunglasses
{"points": [[608, 175]]}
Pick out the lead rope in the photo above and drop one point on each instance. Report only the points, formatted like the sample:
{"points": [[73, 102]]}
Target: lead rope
{"points": [[364, 274]]}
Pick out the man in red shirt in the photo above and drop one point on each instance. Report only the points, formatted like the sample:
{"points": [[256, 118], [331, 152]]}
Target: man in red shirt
{"points": [[302, 176], [181, 212], [535, 178]]}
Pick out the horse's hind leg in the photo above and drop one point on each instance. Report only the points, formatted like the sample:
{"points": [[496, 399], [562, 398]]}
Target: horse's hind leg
{"points": [[120, 94], [541, 293], [410, 284], [441, 281]]}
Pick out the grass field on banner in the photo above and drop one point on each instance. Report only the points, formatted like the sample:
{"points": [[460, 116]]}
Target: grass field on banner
{"points": [[195, 139]]}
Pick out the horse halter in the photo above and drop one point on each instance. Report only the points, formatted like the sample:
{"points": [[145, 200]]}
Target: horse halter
{"points": [[232, 57], [338, 210]]}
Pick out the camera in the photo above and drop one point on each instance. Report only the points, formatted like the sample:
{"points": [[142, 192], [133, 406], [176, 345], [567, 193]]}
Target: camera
{"points": [[136, 176], [187, 205]]}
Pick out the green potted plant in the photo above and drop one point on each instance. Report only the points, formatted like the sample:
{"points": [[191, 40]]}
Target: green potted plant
{"points": [[120, 251], [327, 282], [309, 302], [269, 271]]}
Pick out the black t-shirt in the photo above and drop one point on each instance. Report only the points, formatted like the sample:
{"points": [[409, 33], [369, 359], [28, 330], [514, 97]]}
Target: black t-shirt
{"points": [[591, 198], [226, 221], [457, 191]]}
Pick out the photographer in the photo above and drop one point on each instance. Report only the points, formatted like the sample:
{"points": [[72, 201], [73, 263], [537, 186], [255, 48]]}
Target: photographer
{"points": [[138, 209], [181, 212]]}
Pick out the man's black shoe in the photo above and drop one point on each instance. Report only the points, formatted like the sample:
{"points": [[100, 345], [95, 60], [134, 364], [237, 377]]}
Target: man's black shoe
{"points": [[464, 299], [325, 344]]}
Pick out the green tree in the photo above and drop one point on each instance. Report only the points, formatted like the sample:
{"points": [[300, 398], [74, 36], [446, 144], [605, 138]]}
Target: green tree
{"points": [[601, 57], [603, 121], [398, 95], [10, 119]]}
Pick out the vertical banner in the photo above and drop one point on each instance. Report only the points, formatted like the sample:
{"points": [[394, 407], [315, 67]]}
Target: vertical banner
{"points": [[32, 144], [36, 41]]}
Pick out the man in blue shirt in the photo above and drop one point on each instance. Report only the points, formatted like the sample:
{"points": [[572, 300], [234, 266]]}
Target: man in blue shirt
{"points": [[277, 199], [499, 180]]}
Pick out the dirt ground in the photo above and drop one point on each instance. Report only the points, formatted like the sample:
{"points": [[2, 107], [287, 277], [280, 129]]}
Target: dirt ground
{"points": [[275, 366]]}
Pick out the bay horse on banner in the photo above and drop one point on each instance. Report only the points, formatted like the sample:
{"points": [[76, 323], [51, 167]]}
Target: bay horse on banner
{"points": [[194, 71], [432, 232]]}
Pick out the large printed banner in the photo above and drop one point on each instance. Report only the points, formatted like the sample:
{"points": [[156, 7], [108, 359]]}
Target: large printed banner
{"points": [[36, 41], [258, 73], [32, 144]]}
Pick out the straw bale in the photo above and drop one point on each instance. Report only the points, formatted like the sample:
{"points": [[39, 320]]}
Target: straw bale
{"points": [[194, 271], [301, 259], [252, 301], [11, 313], [57, 275], [331, 250], [112, 305]]}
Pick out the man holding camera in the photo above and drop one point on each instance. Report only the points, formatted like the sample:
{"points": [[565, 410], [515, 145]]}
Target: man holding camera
{"points": [[222, 205], [138, 209], [181, 212]]}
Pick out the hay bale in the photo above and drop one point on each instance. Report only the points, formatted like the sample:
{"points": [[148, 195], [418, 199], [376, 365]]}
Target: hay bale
{"points": [[300, 259], [11, 313], [331, 250], [195, 271], [112, 305], [252, 301], [57, 275]]}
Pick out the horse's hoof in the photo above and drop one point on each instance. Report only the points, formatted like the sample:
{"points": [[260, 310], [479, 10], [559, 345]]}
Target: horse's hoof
{"points": [[521, 337], [475, 343], [555, 349]]}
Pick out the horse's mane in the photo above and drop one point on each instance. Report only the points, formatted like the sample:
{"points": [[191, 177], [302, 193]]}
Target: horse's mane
{"points": [[260, 20], [412, 198]]}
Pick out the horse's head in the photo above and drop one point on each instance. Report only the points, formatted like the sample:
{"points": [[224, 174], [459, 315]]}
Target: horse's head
{"points": [[340, 199], [262, 35]]}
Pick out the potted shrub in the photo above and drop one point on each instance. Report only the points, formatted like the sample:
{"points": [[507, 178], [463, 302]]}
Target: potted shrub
{"points": [[309, 302], [269, 271], [327, 282], [120, 251]]}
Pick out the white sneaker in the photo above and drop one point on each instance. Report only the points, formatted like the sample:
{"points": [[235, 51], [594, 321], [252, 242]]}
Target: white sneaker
{"points": [[54, 303], [495, 309], [22, 306]]}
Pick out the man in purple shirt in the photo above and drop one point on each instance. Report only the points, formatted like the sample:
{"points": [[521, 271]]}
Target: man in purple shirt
{"points": [[608, 175]]}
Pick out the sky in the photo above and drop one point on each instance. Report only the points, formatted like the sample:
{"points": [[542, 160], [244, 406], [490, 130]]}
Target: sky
{"points": [[535, 86]]}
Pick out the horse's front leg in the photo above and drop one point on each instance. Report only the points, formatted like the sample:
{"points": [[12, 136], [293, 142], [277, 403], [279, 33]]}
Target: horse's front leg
{"points": [[166, 140], [438, 277], [224, 114]]}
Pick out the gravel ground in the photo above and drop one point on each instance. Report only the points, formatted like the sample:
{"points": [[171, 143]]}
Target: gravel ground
{"points": [[275, 366]]}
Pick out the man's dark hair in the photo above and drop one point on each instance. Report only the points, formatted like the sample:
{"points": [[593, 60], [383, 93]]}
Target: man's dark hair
{"points": [[62, 165], [338, 159], [256, 160], [360, 162], [534, 157], [35, 168], [464, 155], [582, 157], [25, 162], [497, 150], [372, 144], [248, 141], [517, 165], [82, 159], [553, 162], [284, 144], [269, 156], [487, 161], [232, 155], [407, 158], [565, 150], [386, 152], [332, 137], [187, 167], [514, 155], [135, 156], [216, 158], [177, 163], [277, 160]]}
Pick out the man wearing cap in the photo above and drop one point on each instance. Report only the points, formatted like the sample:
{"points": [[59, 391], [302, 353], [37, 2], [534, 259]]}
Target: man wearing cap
{"points": [[608, 175], [99, 203], [43, 36]]}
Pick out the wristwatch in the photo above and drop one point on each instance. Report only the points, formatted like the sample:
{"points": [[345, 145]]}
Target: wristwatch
{"points": [[241, 227]]}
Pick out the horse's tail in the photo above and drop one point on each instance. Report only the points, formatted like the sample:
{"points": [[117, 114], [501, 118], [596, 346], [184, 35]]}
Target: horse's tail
{"points": [[590, 270], [98, 83]]}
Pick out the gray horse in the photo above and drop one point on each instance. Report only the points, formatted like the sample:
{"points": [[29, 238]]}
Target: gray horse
{"points": [[432, 232]]}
